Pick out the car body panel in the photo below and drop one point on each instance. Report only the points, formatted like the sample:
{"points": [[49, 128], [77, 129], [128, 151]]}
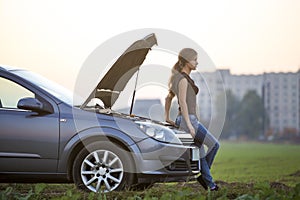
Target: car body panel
{"points": [[38, 146]]}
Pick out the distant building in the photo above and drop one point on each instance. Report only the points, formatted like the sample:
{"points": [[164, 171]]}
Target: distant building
{"points": [[279, 91], [214, 84], [281, 101], [211, 86], [241, 84]]}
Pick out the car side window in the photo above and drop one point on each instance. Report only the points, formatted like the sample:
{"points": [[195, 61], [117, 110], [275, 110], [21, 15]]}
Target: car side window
{"points": [[11, 93]]}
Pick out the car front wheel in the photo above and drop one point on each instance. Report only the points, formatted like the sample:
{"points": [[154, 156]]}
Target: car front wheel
{"points": [[102, 167]]}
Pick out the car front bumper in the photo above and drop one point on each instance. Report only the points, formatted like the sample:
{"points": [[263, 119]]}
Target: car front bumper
{"points": [[162, 162]]}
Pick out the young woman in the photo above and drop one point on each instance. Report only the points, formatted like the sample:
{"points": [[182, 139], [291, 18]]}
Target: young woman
{"points": [[184, 88]]}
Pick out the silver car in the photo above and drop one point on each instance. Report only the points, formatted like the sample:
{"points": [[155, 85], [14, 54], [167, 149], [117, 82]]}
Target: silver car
{"points": [[45, 138]]}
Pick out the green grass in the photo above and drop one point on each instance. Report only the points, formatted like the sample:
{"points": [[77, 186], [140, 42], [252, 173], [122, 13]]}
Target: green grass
{"points": [[243, 170], [257, 162]]}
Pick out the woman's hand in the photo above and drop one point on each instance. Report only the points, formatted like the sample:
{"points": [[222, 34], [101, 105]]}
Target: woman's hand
{"points": [[170, 122], [192, 130]]}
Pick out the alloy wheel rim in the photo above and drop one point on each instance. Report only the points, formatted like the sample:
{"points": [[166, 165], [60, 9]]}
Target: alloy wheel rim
{"points": [[102, 171]]}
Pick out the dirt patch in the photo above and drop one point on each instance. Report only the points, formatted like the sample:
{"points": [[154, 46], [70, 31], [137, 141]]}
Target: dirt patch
{"points": [[236, 185], [296, 174], [279, 186]]}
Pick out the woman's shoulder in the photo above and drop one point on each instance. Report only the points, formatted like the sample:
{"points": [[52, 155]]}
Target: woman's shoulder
{"points": [[178, 77]]}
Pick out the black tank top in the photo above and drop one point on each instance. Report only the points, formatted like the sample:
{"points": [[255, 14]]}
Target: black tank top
{"points": [[192, 91]]}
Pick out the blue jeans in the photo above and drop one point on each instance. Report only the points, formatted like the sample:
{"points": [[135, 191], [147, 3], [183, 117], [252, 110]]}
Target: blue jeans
{"points": [[203, 136]]}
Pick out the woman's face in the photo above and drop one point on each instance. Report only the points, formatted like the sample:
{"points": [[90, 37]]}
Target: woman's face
{"points": [[192, 64]]}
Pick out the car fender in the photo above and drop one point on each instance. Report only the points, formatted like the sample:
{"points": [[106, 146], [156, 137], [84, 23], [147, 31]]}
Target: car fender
{"points": [[87, 136]]}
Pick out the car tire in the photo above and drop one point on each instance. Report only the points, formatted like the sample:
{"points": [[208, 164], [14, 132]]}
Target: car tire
{"points": [[103, 167]]}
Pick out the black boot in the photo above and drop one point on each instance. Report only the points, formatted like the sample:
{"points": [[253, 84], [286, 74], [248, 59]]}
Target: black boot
{"points": [[215, 188]]}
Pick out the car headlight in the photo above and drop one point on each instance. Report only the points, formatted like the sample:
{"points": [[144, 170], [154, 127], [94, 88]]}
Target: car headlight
{"points": [[159, 132]]}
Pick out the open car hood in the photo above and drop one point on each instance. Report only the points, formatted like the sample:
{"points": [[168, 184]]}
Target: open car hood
{"points": [[115, 80]]}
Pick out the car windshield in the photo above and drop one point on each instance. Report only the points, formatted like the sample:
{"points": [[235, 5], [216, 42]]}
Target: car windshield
{"points": [[53, 88]]}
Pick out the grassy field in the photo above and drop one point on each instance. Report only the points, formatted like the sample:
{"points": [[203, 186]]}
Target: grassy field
{"points": [[243, 170], [258, 162]]}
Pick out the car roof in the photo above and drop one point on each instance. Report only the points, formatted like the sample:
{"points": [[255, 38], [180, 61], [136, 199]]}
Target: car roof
{"points": [[7, 68]]}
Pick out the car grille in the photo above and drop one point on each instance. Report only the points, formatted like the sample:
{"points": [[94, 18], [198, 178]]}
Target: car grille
{"points": [[184, 137], [187, 141], [180, 165]]}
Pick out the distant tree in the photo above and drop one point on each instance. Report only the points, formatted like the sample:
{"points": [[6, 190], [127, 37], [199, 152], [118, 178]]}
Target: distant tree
{"points": [[250, 116], [232, 106]]}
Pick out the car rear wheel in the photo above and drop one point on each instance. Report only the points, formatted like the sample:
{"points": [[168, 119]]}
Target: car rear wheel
{"points": [[103, 167]]}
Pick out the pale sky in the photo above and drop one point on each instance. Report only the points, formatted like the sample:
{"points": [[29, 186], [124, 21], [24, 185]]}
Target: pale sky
{"points": [[54, 38]]}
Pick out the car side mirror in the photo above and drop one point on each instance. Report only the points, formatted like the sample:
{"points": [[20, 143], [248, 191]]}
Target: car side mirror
{"points": [[32, 104]]}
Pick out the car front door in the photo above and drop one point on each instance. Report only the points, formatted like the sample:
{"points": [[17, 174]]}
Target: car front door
{"points": [[28, 140]]}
